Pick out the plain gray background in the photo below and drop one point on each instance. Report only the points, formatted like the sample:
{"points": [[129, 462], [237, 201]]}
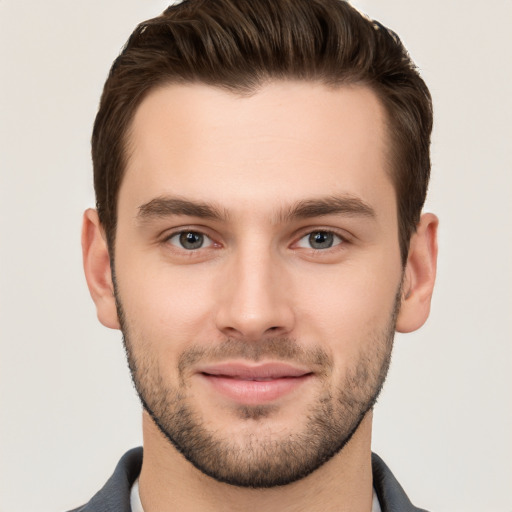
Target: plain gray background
{"points": [[68, 410]]}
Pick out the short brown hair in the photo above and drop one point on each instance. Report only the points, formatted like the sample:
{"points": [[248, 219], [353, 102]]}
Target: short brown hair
{"points": [[239, 45]]}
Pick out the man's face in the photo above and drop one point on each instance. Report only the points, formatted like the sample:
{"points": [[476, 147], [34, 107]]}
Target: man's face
{"points": [[258, 272]]}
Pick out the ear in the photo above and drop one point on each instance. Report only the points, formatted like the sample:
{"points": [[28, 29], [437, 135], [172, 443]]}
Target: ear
{"points": [[419, 276], [97, 269]]}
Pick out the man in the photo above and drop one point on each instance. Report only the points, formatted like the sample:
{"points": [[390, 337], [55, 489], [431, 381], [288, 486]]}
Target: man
{"points": [[260, 169]]}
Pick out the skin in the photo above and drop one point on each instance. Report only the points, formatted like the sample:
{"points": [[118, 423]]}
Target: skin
{"points": [[257, 278]]}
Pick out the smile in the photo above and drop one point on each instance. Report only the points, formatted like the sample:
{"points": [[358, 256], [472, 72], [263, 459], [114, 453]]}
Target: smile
{"points": [[254, 385]]}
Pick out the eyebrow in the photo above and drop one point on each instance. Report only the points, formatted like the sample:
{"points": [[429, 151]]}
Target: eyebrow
{"points": [[161, 207], [348, 205]]}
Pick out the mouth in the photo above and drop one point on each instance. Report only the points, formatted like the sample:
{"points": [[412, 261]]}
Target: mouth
{"points": [[254, 384]]}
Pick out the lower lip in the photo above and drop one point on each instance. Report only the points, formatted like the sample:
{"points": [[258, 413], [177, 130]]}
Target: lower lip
{"points": [[252, 392]]}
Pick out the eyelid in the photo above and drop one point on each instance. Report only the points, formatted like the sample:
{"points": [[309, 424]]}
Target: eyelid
{"points": [[207, 241], [340, 233], [337, 240], [166, 236], [169, 234]]}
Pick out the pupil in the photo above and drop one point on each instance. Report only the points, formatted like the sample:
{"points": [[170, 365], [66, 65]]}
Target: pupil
{"points": [[191, 240], [321, 240]]}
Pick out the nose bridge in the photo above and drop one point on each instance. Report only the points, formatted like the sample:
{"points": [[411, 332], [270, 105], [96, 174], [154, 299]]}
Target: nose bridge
{"points": [[255, 301]]}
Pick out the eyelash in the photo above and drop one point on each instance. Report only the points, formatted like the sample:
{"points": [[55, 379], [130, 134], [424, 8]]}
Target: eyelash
{"points": [[341, 240], [189, 232]]}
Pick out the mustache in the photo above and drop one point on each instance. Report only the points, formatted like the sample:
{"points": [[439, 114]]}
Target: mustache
{"points": [[278, 348]]}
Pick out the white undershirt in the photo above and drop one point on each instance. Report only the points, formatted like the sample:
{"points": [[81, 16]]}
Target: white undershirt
{"points": [[375, 503], [135, 498], [137, 505]]}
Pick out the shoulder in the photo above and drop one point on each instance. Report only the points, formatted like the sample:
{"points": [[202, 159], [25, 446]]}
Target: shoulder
{"points": [[391, 494], [115, 494]]}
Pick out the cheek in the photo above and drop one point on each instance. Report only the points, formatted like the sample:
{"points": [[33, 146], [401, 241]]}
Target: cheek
{"points": [[348, 313], [167, 309]]}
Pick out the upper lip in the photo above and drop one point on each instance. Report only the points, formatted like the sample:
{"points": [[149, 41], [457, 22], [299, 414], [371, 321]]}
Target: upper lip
{"points": [[245, 371]]}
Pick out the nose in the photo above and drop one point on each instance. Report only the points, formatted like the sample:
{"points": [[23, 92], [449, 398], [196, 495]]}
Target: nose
{"points": [[255, 299]]}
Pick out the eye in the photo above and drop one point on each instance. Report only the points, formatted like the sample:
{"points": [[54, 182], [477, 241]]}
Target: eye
{"points": [[320, 240], [190, 240]]}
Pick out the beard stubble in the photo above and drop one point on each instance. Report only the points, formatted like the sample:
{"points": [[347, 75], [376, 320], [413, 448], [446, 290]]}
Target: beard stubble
{"points": [[260, 458]]}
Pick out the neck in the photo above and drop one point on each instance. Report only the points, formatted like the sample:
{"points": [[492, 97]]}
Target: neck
{"points": [[169, 482]]}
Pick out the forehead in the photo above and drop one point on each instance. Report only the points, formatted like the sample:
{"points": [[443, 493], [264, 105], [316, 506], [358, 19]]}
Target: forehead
{"points": [[287, 140]]}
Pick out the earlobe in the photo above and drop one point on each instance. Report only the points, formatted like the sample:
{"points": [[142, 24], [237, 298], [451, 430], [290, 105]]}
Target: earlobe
{"points": [[97, 269], [419, 276]]}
